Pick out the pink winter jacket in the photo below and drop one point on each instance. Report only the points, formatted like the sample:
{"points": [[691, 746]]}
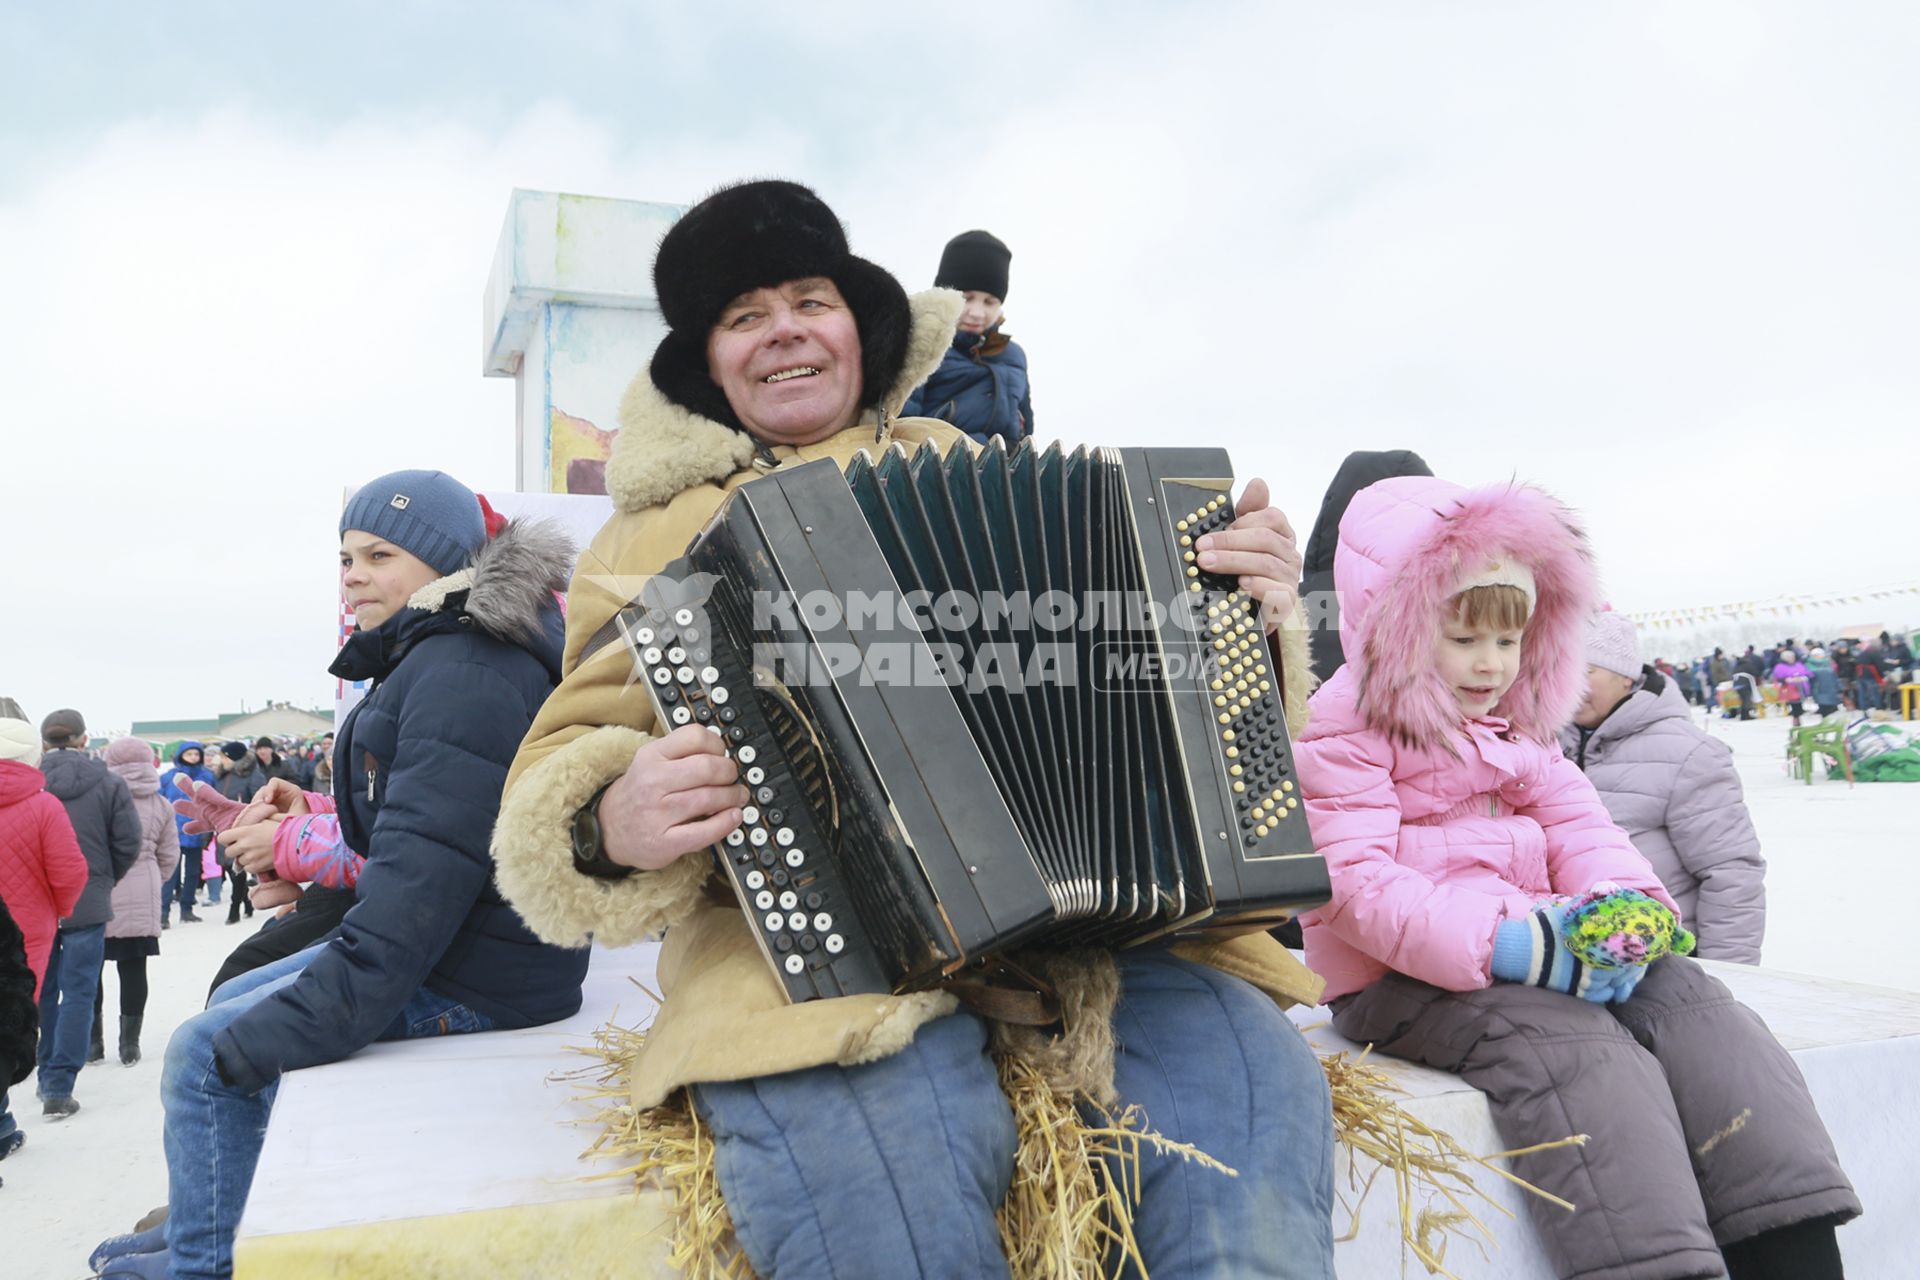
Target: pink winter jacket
{"points": [[1435, 827]]}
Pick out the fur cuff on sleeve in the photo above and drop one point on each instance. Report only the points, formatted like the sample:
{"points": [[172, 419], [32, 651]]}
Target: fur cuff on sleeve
{"points": [[1297, 680], [533, 853]]}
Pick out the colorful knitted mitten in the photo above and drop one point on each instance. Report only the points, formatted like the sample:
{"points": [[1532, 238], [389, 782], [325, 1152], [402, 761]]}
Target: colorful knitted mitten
{"points": [[1609, 927]]}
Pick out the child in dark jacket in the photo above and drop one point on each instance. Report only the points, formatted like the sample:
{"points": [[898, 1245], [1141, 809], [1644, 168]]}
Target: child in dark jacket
{"points": [[981, 385], [1466, 851]]}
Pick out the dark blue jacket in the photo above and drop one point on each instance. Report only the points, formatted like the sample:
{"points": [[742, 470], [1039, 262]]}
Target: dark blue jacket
{"points": [[173, 787], [419, 767], [980, 387]]}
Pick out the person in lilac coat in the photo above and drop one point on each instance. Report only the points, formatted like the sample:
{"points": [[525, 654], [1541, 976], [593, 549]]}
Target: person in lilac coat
{"points": [[1672, 787]]}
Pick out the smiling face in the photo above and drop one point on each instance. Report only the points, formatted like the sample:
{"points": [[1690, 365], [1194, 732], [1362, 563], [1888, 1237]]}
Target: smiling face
{"points": [[1605, 689], [981, 314], [1479, 650], [788, 360], [377, 578]]}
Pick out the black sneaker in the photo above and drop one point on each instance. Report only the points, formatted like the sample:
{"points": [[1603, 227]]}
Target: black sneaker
{"points": [[12, 1143], [59, 1108]]}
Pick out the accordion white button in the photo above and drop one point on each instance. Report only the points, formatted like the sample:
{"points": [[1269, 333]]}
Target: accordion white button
{"points": [[835, 944], [684, 675], [719, 693], [822, 922], [736, 837], [756, 776], [764, 900], [643, 636], [749, 815], [662, 675], [795, 858], [788, 901], [709, 674], [652, 655], [758, 836], [756, 880], [797, 921], [775, 922], [784, 835], [795, 963], [676, 655], [684, 617], [681, 715], [746, 754]]}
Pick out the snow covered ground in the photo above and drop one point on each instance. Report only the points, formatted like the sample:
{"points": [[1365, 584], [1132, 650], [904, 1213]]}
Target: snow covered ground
{"points": [[1838, 858]]}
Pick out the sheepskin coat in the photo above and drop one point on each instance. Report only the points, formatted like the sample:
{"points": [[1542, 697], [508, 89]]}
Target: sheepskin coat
{"points": [[724, 1016], [1672, 787], [1437, 827]]}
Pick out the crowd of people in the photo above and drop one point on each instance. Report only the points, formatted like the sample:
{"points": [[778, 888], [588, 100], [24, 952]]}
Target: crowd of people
{"points": [[1487, 758], [1850, 673]]}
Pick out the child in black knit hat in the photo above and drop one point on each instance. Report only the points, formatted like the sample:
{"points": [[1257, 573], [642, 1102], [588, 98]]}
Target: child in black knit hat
{"points": [[981, 386]]}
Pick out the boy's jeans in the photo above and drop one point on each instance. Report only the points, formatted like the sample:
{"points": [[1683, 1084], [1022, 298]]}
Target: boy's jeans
{"points": [[67, 997], [895, 1168], [214, 1131]]}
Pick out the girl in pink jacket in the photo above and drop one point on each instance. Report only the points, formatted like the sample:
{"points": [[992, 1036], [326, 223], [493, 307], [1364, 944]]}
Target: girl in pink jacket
{"points": [[1457, 834]]}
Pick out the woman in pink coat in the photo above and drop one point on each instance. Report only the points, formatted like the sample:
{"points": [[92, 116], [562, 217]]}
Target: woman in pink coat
{"points": [[1456, 832], [134, 932]]}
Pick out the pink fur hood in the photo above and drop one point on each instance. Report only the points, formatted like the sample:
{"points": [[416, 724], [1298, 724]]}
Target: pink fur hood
{"points": [[1405, 545]]}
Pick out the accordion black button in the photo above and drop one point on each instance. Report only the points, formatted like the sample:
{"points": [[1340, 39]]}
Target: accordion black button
{"points": [[774, 816], [728, 715], [779, 877], [669, 695], [736, 734], [813, 901], [767, 855], [783, 943], [703, 713], [809, 943]]}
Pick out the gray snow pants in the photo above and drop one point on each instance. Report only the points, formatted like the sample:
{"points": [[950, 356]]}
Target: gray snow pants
{"points": [[1702, 1130]]}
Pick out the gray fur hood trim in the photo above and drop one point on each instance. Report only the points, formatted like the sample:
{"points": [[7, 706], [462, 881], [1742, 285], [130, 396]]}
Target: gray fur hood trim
{"points": [[662, 449], [511, 583]]}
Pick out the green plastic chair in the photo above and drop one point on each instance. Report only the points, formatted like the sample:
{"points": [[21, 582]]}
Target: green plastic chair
{"points": [[1828, 739]]}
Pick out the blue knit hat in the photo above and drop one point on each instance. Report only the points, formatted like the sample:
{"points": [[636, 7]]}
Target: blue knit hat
{"points": [[427, 513]]}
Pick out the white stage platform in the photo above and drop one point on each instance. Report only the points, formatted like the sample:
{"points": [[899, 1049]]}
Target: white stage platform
{"points": [[458, 1157]]}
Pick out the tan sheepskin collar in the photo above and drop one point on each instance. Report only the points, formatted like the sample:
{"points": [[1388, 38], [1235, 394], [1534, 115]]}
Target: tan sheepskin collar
{"points": [[662, 449]]}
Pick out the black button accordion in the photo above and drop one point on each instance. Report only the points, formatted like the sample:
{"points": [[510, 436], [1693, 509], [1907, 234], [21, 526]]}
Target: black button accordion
{"points": [[981, 701]]}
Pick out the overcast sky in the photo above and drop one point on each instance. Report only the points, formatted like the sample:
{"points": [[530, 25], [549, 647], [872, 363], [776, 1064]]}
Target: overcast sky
{"points": [[1657, 257]]}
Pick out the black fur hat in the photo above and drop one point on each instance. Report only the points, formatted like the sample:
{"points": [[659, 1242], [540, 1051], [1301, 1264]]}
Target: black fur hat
{"points": [[752, 235]]}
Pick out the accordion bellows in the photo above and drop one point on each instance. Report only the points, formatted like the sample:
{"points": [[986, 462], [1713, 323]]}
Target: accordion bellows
{"points": [[981, 701]]}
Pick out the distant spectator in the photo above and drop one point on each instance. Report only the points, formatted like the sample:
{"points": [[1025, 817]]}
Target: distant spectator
{"points": [[42, 874], [108, 828], [189, 766], [323, 767], [1791, 677], [1823, 682], [134, 932], [1673, 789], [19, 1024], [1317, 599], [981, 385]]}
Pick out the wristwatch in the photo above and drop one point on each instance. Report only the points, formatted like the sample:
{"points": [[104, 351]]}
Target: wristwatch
{"points": [[589, 858]]}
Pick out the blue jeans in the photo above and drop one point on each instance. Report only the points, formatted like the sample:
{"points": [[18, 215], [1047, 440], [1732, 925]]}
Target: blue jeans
{"points": [[214, 1131], [67, 997], [8, 1125], [895, 1168], [182, 884], [1866, 694]]}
